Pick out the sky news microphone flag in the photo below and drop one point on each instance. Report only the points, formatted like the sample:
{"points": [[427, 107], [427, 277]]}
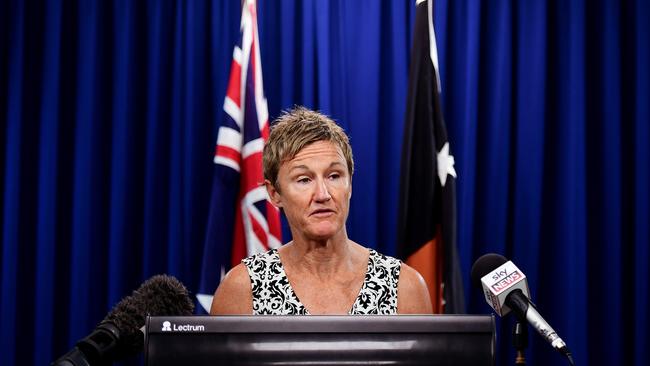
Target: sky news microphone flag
{"points": [[242, 221], [427, 214]]}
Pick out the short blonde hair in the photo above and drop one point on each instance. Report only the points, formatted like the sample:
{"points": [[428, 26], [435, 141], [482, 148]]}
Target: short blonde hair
{"points": [[295, 129]]}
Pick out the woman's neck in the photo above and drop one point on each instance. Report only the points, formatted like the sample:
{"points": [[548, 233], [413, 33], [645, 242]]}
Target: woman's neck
{"points": [[322, 257]]}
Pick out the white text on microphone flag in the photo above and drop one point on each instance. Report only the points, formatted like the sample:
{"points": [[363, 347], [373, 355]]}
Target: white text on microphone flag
{"points": [[501, 282]]}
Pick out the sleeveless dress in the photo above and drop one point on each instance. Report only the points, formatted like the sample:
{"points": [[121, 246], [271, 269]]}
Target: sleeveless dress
{"points": [[273, 295]]}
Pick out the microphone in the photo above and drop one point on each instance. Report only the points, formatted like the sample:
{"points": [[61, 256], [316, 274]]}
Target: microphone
{"points": [[506, 288], [118, 336]]}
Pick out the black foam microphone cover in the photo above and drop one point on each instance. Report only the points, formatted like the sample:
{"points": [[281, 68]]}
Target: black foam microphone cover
{"points": [[118, 336], [484, 265], [160, 295]]}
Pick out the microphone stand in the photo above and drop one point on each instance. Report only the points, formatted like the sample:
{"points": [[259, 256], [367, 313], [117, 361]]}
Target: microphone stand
{"points": [[520, 341]]}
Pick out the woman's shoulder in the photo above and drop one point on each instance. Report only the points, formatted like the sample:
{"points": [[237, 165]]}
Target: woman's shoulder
{"points": [[413, 294], [233, 296]]}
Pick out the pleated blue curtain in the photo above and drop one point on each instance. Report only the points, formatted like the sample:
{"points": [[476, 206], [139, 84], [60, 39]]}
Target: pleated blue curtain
{"points": [[109, 112], [108, 129], [547, 103]]}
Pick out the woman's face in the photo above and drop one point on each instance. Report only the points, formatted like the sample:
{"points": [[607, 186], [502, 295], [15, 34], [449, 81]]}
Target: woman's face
{"points": [[314, 191]]}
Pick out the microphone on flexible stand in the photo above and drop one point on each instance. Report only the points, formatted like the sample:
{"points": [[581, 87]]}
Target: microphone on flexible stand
{"points": [[505, 288], [118, 336]]}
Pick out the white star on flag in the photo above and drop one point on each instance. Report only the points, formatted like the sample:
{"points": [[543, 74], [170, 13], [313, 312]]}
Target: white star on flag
{"points": [[445, 164]]}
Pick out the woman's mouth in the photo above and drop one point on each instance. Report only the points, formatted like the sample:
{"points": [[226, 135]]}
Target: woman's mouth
{"points": [[323, 212]]}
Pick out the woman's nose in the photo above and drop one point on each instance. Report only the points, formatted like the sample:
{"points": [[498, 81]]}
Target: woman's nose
{"points": [[322, 193]]}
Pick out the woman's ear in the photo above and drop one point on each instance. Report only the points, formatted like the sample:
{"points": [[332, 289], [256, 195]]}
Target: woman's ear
{"points": [[274, 194]]}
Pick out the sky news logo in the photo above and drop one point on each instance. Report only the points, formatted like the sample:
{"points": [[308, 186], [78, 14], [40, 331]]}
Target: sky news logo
{"points": [[506, 282], [168, 326]]}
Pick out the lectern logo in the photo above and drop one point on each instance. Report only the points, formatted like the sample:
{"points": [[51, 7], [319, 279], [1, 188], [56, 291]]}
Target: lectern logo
{"points": [[167, 326], [187, 328]]}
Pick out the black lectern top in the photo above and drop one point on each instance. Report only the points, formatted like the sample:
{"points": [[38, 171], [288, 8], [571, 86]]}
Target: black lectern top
{"points": [[321, 340]]}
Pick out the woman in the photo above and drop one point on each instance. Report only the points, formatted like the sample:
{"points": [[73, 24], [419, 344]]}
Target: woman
{"points": [[308, 169]]}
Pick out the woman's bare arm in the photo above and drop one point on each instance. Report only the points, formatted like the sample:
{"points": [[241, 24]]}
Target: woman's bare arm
{"points": [[234, 294], [412, 293]]}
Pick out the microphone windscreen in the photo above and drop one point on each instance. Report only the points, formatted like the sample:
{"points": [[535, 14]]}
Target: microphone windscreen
{"points": [[165, 295], [484, 265], [161, 295]]}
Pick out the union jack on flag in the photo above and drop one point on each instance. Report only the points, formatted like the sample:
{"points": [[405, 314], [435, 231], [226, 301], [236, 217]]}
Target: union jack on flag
{"points": [[242, 221]]}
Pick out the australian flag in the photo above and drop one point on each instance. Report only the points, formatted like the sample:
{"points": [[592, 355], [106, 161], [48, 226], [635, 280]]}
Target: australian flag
{"points": [[242, 221]]}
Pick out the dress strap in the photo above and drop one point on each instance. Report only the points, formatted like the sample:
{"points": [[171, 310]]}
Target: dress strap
{"points": [[272, 293], [379, 292]]}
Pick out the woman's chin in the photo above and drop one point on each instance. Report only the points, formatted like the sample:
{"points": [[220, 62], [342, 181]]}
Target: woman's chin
{"points": [[323, 232]]}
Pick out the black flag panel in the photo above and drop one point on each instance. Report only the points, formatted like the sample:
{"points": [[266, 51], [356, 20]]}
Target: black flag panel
{"points": [[427, 216]]}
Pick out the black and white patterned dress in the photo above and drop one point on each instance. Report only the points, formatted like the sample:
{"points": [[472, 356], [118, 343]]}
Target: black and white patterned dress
{"points": [[273, 295]]}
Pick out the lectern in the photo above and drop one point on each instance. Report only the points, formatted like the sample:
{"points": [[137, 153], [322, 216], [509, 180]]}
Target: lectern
{"points": [[321, 340]]}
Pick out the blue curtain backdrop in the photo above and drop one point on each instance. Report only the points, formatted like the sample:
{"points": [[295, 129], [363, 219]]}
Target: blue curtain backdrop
{"points": [[109, 113]]}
